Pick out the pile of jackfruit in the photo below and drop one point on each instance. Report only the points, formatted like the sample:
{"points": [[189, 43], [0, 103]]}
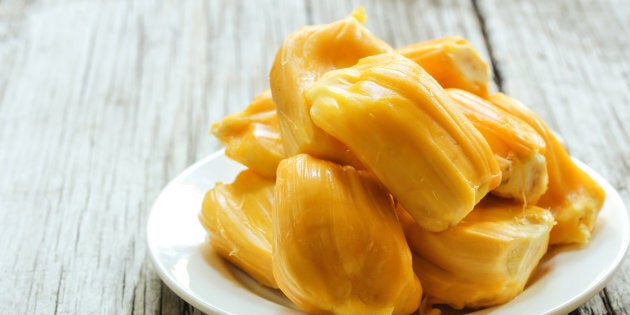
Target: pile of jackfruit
{"points": [[383, 181]]}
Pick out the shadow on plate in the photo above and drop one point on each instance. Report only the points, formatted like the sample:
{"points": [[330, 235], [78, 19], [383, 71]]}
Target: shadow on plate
{"points": [[236, 275]]}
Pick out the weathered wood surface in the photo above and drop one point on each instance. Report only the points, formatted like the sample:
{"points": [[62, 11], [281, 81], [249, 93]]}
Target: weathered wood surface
{"points": [[102, 103]]}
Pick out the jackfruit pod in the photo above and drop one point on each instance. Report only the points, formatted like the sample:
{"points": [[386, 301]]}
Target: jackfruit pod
{"points": [[238, 216], [483, 261], [338, 246], [304, 56], [453, 62], [519, 149], [252, 137], [405, 129], [573, 197]]}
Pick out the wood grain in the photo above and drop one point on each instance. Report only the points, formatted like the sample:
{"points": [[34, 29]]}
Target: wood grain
{"points": [[565, 60], [103, 102]]}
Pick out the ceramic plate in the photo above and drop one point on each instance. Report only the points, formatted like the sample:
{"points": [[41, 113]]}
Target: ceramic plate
{"points": [[568, 276]]}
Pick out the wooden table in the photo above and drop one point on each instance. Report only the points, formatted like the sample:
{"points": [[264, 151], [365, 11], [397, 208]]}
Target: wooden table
{"points": [[103, 102]]}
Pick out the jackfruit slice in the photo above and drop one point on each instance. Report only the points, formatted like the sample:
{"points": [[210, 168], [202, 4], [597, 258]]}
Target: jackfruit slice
{"points": [[304, 56], [238, 216], [573, 197], [453, 62], [483, 261], [252, 137], [410, 134], [519, 149], [338, 246]]}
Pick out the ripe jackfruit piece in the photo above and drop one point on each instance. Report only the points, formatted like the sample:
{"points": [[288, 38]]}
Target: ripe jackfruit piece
{"points": [[252, 137], [338, 246], [519, 149], [483, 261], [304, 56], [409, 133], [238, 216], [453, 62], [573, 197]]}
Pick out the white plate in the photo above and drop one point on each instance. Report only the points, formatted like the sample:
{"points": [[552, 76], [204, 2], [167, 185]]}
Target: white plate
{"points": [[188, 265]]}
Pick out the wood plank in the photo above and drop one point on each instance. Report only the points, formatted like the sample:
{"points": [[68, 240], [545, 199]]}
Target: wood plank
{"points": [[567, 61], [102, 103]]}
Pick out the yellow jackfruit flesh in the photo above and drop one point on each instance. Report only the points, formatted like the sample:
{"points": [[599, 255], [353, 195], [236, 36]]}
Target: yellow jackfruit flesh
{"points": [[252, 137], [303, 218], [453, 62], [338, 246], [409, 133], [519, 149], [304, 56], [483, 261], [573, 196], [238, 217]]}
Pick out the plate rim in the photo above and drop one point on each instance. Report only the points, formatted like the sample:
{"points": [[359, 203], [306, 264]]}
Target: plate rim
{"points": [[170, 281], [580, 299]]}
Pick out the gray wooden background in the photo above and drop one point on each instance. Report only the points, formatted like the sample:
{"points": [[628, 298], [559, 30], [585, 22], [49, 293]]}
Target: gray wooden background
{"points": [[103, 102]]}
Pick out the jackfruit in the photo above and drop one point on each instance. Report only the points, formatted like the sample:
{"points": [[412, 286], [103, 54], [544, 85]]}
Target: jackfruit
{"points": [[519, 149], [238, 216], [453, 62], [483, 261], [573, 197], [304, 56], [252, 137], [338, 246], [410, 134]]}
